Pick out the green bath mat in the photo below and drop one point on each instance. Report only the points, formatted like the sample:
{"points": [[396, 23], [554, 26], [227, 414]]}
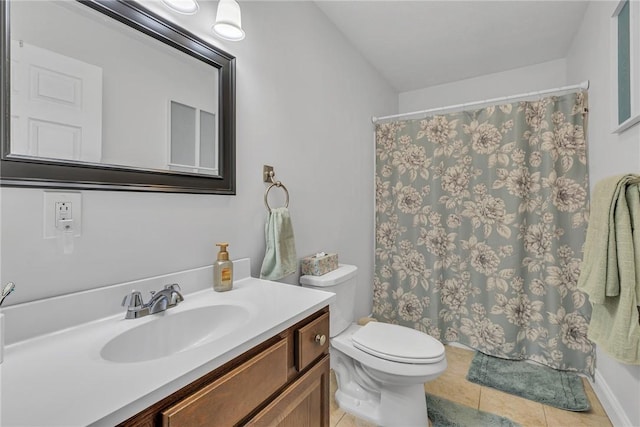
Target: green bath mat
{"points": [[445, 413], [560, 389]]}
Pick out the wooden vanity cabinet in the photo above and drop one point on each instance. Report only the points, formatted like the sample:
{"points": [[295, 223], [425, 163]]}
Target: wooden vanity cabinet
{"points": [[283, 382]]}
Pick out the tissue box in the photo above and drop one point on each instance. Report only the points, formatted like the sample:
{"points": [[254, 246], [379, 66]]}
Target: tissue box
{"points": [[315, 265]]}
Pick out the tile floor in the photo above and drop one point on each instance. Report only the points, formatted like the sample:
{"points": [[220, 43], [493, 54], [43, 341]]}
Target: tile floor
{"points": [[452, 385]]}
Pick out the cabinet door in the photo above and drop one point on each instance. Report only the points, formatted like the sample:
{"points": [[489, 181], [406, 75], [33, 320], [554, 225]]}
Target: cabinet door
{"points": [[305, 403]]}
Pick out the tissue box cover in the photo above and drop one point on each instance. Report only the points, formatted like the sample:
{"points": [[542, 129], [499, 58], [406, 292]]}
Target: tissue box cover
{"points": [[317, 266]]}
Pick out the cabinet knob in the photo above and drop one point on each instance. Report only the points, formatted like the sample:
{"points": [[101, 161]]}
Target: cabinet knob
{"points": [[320, 339]]}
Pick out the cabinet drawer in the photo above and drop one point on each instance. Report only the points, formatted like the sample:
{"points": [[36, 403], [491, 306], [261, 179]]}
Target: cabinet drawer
{"points": [[312, 340], [230, 398]]}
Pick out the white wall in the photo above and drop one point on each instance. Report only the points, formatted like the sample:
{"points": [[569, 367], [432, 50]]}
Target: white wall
{"points": [[519, 80], [304, 103], [609, 154]]}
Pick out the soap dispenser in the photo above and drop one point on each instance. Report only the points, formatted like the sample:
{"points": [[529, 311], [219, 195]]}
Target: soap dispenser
{"points": [[222, 270]]}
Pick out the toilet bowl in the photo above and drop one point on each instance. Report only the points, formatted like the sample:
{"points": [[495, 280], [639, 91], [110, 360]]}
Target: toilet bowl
{"points": [[380, 368]]}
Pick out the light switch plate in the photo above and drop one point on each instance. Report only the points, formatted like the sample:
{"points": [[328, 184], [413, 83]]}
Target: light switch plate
{"points": [[49, 214]]}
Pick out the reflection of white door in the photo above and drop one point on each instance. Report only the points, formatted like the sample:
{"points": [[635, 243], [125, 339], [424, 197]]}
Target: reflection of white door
{"points": [[56, 105]]}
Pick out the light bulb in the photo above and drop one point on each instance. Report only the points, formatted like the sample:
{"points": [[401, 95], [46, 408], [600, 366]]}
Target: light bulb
{"points": [[228, 24], [186, 7]]}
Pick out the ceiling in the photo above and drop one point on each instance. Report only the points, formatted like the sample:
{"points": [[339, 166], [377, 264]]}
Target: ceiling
{"points": [[416, 44], [421, 43]]}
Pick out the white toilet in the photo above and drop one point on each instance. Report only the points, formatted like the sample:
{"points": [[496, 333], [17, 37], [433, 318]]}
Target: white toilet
{"points": [[381, 368]]}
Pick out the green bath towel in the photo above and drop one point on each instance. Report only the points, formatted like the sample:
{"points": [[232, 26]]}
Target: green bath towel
{"points": [[280, 257], [611, 267]]}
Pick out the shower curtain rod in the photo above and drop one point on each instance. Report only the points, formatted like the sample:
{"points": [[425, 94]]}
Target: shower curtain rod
{"points": [[452, 108]]}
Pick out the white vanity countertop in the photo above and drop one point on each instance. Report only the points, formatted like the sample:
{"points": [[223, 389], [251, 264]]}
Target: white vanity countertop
{"points": [[60, 379]]}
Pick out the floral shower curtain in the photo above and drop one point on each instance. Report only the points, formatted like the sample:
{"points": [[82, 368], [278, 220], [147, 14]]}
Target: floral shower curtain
{"points": [[480, 221]]}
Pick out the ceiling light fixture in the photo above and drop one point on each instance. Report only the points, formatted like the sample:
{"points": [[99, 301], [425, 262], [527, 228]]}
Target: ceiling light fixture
{"points": [[186, 7], [228, 24]]}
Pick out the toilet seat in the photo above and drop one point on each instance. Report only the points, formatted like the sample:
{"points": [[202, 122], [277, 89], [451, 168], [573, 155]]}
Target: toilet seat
{"points": [[344, 344], [398, 343]]}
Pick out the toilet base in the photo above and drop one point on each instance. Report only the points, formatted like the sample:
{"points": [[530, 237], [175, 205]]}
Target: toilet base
{"points": [[404, 406], [382, 404]]}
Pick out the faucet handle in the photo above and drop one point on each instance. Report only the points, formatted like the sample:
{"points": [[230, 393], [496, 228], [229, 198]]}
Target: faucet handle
{"points": [[135, 300], [173, 287], [176, 296]]}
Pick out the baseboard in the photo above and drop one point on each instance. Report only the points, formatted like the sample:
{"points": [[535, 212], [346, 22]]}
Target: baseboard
{"points": [[609, 402]]}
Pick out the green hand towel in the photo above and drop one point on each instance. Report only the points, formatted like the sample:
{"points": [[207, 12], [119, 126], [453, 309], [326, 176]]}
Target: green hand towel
{"points": [[280, 257], [611, 267], [633, 196], [599, 277]]}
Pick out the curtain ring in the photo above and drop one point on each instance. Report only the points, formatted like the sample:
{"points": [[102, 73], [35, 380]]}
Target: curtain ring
{"points": [[266, 193]]}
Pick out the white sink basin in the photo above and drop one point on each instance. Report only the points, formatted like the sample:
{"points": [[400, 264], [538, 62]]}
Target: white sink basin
{"points": [[172, 332]]}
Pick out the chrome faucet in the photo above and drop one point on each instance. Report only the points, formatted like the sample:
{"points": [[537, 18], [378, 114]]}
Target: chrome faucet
{"points": [[160, 301]]}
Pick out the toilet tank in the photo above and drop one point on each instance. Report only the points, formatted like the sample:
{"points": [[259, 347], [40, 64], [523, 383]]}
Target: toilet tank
{"points": [[342, 282]]}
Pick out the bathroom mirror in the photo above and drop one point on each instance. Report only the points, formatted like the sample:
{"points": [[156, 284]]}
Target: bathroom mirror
{"points": [[104, 94]]}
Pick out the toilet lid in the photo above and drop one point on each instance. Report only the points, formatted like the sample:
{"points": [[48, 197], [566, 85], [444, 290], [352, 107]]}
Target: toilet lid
{"points": [[398, 343]]}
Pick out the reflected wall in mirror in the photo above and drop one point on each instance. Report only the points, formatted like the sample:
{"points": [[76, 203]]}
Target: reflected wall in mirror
{"points": [[111, 96]]}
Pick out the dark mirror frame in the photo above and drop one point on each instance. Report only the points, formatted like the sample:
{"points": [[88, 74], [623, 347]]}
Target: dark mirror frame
{"points": [[32, 172]]}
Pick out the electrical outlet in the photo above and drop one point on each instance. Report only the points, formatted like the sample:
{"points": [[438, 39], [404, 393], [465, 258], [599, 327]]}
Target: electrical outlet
{"points": [[64, 216], [63, 212], [59, 210]]}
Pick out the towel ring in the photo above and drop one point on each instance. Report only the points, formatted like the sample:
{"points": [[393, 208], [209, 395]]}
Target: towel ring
{"points": [[266, 193]]}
